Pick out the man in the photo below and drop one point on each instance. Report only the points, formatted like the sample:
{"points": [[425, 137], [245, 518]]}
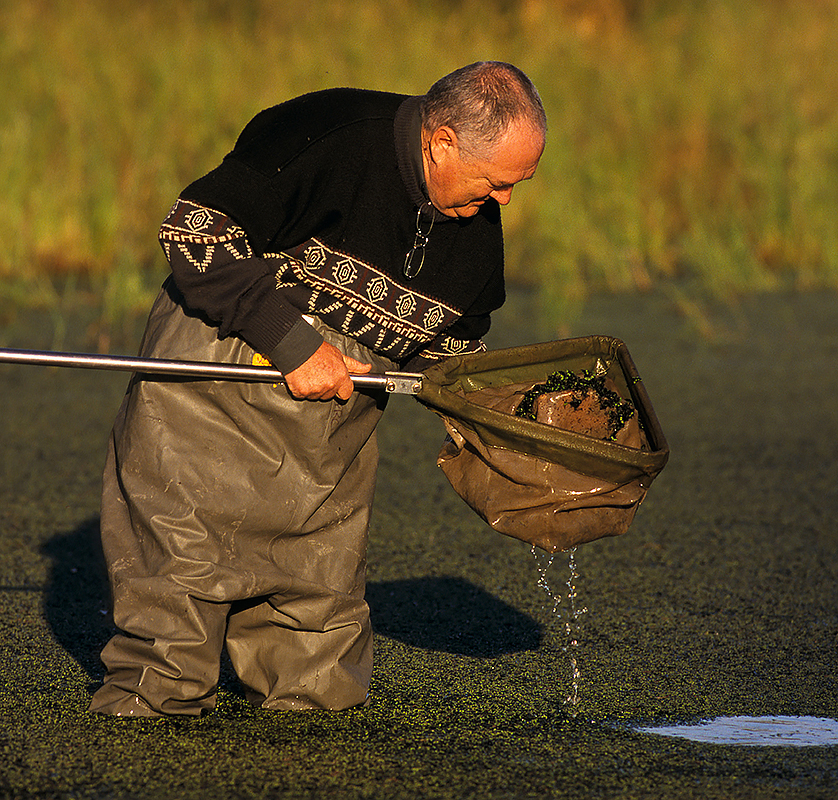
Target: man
{"points": [[347, 230]]}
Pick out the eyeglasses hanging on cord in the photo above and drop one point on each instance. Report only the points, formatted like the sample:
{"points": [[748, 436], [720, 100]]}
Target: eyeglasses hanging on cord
{"points": [[415, 257]]}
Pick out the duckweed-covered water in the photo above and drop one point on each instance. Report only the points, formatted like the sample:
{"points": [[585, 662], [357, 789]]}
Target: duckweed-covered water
{"points": [[719, 602]]}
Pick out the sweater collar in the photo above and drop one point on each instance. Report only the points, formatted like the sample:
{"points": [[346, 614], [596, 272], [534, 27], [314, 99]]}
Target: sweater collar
{"points": [[407, 127]]}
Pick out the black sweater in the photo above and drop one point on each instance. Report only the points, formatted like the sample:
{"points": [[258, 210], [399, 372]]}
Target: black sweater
{"points": [[313, 212]]}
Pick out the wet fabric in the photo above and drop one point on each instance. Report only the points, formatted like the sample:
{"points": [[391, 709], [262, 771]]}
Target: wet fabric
{"points": [[546, 485], [234, 514]]}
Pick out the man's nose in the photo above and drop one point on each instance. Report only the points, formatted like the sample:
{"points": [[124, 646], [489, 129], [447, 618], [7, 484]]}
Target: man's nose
{"points": [[503, 196]]}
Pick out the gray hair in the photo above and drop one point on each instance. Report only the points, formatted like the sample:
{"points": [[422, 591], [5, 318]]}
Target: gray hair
{"points": [[479, 102]]}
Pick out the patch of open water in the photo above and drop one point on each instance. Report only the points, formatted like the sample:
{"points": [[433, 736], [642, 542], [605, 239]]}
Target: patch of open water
{"points": [[779, 731]]}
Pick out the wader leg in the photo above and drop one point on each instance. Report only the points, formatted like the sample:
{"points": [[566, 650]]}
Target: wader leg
{"points": [[311, 646], [151, 675]]}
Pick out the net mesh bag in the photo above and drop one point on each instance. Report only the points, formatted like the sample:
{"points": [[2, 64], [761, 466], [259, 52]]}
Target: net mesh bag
{"points": [[555, 444]]}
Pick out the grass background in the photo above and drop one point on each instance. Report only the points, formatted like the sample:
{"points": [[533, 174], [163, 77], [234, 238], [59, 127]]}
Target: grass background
{"points": [[693, 143]]}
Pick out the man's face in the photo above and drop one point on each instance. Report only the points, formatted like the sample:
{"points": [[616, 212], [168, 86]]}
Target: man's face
{"points": [[459, 184]]}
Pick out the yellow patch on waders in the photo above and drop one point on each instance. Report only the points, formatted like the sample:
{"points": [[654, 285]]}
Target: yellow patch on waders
{"points": [[259, 360]]}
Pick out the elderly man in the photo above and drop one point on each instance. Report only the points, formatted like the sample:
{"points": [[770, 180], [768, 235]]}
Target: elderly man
{"points": [[347, 230]]}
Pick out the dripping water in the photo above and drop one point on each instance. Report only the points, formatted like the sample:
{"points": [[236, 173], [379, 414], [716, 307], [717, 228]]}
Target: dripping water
{"points": [[566, 616]]}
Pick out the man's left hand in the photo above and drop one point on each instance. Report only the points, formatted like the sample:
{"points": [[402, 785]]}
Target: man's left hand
{"points": [[326, 375]]}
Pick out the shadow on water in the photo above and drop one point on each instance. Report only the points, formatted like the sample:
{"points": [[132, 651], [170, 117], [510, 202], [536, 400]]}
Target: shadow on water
{"points": [[451, 615], [446, 614], [76, 598]]}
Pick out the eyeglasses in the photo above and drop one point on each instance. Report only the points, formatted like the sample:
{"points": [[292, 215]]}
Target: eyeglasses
{"points": [[415, 257]]}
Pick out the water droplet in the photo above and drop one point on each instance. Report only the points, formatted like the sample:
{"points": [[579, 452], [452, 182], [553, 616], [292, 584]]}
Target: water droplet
{"points": [[569, 614]]}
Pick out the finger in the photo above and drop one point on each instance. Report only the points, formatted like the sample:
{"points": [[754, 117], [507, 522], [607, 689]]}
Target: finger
{"points": [[358, 367], [340, 389]]}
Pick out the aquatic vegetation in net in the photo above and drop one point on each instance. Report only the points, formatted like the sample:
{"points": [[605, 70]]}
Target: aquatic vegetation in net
{"points": [[578, 388]]}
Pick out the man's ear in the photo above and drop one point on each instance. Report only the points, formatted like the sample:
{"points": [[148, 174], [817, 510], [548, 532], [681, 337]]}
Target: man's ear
{"points": [[443, 144]]}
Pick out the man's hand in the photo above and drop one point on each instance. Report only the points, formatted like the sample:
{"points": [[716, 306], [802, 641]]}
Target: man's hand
{"points": [[325, 375]]}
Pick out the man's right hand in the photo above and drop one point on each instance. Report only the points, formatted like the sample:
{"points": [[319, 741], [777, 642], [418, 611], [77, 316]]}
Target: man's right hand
{"points": [[325, 375]]}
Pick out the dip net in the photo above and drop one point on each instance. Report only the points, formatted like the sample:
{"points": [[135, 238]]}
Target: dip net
{"points": [[555, 444]]}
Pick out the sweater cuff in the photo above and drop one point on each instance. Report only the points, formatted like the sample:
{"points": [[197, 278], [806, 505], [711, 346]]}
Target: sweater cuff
{"points": [[296, 347]]}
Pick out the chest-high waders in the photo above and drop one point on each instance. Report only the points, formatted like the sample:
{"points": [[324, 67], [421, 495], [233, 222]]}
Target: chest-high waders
{"points": [[233, 514]]}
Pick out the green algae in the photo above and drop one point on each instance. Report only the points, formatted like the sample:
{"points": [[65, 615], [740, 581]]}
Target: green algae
{"points": [[618, 411], [719, 600]]}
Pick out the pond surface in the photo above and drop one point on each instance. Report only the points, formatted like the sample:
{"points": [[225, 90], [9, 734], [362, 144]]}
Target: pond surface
{"points": [[720, 600]]}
